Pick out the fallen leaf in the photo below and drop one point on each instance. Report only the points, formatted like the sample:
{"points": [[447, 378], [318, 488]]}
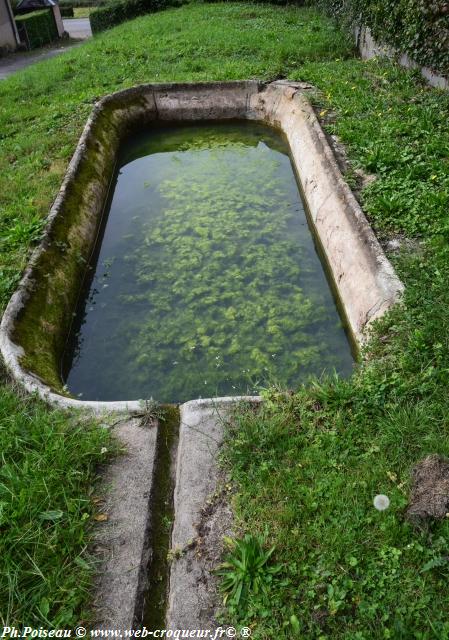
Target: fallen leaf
{"points": [[101, 517]]}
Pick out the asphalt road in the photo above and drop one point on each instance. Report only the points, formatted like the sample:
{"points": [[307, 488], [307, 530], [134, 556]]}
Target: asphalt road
{"points": [[77, 28]]}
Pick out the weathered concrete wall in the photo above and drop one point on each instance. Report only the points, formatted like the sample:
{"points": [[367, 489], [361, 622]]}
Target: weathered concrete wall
{"points": [[58, 20], [9, 37], [369, 48], [37, 320], [365, 280]]}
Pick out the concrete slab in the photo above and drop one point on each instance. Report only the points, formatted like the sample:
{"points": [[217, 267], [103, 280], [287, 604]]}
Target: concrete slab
{"points": [[123, 543], [202, 515]]}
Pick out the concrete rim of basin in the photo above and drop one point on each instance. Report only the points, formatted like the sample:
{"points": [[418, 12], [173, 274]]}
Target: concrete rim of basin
{"points": [[365, 281]]}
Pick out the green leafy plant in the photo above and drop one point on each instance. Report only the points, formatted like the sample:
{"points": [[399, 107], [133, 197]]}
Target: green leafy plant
{"points": [[151, 412], [246, 571], [417, 27], [46, 509]]}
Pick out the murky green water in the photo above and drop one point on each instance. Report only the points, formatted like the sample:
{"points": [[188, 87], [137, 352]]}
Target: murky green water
{"points": [[207, 281]]}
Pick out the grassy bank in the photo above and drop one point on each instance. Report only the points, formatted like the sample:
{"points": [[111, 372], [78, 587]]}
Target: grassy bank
{"points": [[46, 506], [309, 463], [308, 466]]}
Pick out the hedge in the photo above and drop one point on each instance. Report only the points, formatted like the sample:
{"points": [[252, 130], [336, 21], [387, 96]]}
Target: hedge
{"points": [[37, 28], [118, 11], [63, 4], [66, 12], [419, 28]]}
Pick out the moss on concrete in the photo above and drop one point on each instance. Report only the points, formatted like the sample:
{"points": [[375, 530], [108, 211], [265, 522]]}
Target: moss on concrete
{"points": [[43, 326], [162, 519]]}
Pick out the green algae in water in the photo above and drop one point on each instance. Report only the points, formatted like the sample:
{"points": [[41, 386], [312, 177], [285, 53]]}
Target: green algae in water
{"points": [[207, 281]]}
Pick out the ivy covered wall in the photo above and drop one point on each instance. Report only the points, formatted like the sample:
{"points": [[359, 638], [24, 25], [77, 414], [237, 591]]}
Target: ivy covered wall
{"points": [[419, 28]]}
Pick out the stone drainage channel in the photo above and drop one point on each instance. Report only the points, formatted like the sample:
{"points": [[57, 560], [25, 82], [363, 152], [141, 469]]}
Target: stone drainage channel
{"points": [[167, 516], [133, 580]]}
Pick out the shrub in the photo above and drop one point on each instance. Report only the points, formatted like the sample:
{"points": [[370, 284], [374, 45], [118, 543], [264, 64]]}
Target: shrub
{"points": [[37, 28], [419, 28], [119, 11]]}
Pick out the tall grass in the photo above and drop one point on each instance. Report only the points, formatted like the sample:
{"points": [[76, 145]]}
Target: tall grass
{"points": [[47, 471]]}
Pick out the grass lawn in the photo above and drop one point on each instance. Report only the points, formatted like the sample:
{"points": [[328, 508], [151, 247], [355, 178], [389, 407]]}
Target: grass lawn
{"points": [[309, 463], [44, 575], [81, 12], [47, 471], [308, 466]]}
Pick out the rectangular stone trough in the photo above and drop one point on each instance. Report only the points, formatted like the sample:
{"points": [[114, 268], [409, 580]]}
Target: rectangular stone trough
{"points": [[37, 320]]}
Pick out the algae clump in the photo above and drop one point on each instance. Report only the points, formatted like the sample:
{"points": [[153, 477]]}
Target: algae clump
{"points": [[213, 285]]}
